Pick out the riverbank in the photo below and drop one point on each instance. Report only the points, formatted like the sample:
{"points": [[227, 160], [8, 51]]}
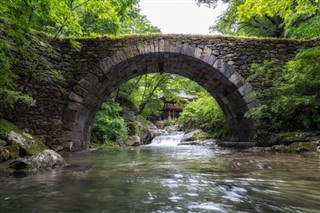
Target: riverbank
{"points": [[24, 152]]}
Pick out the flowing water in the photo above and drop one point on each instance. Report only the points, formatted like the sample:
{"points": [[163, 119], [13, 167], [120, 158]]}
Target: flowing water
{"points": [[167, 178]]}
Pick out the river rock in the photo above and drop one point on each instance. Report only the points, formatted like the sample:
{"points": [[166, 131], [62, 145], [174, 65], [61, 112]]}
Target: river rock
{"points": [[206, 142], [296, 147], [156, 132], [44, 160], [259, 149], [3, 143], [133, 141], [190, 136], [173, 128], [189, 143], [24, 151]]}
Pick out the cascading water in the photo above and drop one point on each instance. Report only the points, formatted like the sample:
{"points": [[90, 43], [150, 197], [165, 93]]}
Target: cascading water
{"points": [[167, 140]]}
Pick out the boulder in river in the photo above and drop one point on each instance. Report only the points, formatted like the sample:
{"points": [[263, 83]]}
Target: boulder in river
{"points": [[190, 136], [43, 160], [20, 148], [133, 140]]}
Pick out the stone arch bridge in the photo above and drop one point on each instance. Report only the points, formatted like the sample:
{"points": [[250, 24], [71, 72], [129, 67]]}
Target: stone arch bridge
{"points": [[65, 112]]}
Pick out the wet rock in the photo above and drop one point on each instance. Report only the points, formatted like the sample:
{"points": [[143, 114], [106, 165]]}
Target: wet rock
{"points": [[190, 136], [296, 147], [207, 142], [189, 143], [173, 128], [3, 143], [157, 132], [22, 150], [240, 145], [287, 138], [43, 160], [259, 149], [159, 124], [133, 141]]}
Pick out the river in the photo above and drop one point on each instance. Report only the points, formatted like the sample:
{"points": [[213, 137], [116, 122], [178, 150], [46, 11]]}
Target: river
{"points": [[168, 178]]}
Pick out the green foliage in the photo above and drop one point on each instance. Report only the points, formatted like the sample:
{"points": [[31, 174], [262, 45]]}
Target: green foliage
{"points": [[269, 18], [292, 99], [20, 45], [109, 125], [144, 91], [204, 113], [138, 24]]}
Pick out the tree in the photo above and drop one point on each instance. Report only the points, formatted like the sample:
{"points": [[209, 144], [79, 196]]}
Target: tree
{"points": [[292, 99], [284, 14], [138, 24], [204, 113], [210, 3], [109, 125], [144, 92], [20, 20], [292, 18]]}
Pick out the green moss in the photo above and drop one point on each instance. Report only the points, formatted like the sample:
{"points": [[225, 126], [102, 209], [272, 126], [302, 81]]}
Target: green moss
{"points": [[133, 128], [144, 122], [4, 154], [302, 147], [290, 137], [6, 127], [279, 148], [9, 152], [296, 147], [30, 145], [201, 135], [13, 150], [2, 143]]}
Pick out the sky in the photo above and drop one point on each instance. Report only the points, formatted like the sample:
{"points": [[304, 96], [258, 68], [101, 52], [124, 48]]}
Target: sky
{"points": [[180, 16]]}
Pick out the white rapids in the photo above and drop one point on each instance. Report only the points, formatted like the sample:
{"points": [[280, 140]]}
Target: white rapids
{"points": [[167, 140]]}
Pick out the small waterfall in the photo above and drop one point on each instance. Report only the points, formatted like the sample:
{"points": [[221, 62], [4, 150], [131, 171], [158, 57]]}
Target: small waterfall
{"points": [[167, 140]]}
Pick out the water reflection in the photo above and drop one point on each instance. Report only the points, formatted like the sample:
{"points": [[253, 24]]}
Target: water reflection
{"points": [[169, 179]]}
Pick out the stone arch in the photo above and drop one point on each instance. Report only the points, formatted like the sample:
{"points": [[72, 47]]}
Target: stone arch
{"points": [[200, 64]]}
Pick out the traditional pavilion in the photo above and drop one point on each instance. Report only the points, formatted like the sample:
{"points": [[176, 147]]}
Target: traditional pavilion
{"points": [[171, 109]]}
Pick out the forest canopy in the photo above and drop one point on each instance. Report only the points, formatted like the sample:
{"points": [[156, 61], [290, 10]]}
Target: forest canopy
{"points": [[268, 18]]}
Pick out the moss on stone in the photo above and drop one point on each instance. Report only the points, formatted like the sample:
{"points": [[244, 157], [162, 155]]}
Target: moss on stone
{"points": [[33, 145], [296, 147], [2, 143], [9, 152], [4, 154], [302, 147], [201, 135], [13, 150], [6, 127], [290, 137], [279, 148], [17, 143]]}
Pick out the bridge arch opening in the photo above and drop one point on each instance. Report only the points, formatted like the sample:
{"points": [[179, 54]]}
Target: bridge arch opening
{"points": [[228, 87]]}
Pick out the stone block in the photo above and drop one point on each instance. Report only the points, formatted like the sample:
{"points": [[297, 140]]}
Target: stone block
{"points": [[245, 89], [115, 59], [161, 45], [69, 115], [75, 97], [122, 56], [237, 79], [92, 79], [197, 52]]}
